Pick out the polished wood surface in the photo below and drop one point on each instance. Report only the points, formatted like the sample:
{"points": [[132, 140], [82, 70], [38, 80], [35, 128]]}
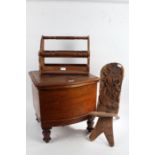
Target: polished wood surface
{"points": [[55, 81], [108, 102], [63, 99], [66, 37], [60, 53], [46, 68]]}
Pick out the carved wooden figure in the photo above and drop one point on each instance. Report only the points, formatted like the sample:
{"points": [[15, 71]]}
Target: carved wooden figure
{"points": [[108, 102]]}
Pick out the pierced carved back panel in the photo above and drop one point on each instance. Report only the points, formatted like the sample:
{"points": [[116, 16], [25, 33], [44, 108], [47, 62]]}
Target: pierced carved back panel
{"points": [[110, 87]]}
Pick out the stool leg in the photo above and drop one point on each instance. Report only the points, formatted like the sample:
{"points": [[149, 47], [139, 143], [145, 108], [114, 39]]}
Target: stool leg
{"points": [[46, 135], [104, 125], [90, 124]]}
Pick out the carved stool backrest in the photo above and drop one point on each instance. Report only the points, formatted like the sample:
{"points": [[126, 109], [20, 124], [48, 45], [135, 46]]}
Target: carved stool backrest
{"points": [[110, 87]]}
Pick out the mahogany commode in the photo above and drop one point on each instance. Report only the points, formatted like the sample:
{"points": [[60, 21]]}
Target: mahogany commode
{"points": [[62, 99]]}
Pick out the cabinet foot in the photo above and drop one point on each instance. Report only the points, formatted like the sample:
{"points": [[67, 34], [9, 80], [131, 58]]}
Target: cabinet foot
{"points": [[46, 135], [90, 124]]}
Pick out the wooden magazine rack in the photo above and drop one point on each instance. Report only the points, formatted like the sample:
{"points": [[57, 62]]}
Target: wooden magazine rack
{"points": [[63, 94], [64, 68]]}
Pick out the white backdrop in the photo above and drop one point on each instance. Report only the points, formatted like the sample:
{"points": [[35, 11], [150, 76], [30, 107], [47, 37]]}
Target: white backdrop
{"points": [[105, 23]]}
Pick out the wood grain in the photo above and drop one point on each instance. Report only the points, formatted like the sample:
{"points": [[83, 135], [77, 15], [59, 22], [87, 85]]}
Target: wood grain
{"points": [[52, 69], [111, 77], [63, 99]]}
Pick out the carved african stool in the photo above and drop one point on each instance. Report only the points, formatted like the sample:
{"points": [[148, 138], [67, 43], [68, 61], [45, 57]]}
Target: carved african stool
{"points": [[108, 102]]}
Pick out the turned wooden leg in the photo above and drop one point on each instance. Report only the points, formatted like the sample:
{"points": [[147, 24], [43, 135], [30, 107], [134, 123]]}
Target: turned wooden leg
{"points": [[104, 125], [46, 135], [90, 124]]}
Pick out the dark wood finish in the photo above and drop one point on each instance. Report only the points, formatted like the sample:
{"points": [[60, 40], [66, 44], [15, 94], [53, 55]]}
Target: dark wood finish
{"points": [[63, 99], [60, 53], [49, 81], [108, 102], [71, 69], [46, 135], [110, 87], [60, 68], [90, 124], [104, 125], [66, 37]]}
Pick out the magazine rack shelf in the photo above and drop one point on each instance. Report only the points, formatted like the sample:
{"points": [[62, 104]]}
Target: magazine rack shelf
{"points": [[63, 68]]}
